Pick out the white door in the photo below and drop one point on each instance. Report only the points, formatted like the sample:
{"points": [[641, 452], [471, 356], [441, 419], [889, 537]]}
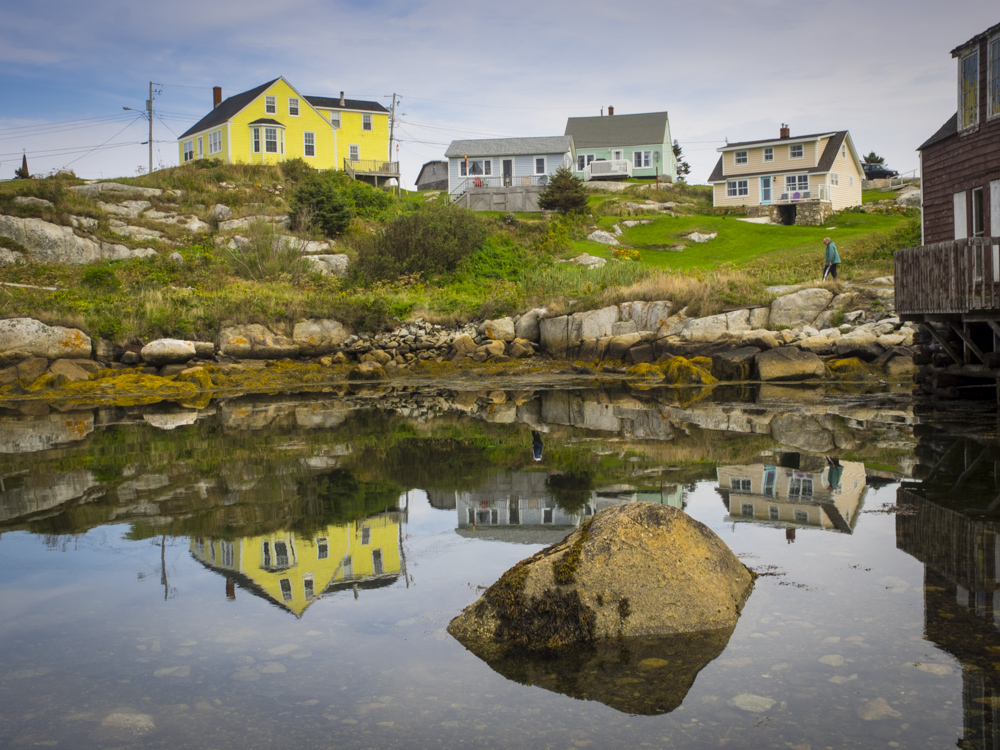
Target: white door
{"points": [[961, 216]]}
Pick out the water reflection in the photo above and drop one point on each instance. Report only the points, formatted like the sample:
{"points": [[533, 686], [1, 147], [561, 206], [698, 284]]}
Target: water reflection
{"points": [[798, 490]]}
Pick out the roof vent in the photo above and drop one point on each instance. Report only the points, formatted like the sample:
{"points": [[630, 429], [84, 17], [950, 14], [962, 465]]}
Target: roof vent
{"points": [[785, 131], [341, 98]]}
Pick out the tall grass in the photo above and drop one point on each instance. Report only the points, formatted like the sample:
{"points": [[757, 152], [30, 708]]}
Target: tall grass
{"points": [[266, 255]]}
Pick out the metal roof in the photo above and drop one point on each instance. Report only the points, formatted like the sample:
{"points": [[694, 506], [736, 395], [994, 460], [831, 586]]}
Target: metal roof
{"points": [[617, 130], [553, 144]]}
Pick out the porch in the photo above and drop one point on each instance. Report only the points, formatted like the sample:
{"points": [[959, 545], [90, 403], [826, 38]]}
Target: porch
{"points": [[372, 170], [607, 169], [499, 192]]}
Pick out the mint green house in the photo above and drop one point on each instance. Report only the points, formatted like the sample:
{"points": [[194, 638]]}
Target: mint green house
{"points": [[622, 146]]}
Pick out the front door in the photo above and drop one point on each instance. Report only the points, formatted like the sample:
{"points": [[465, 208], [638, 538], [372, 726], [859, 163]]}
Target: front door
{"points": [[765, 190], [508, 172]]}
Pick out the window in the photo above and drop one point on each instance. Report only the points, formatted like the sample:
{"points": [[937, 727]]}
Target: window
{"points": [[746, 509], [347, 567], [968, 91], [796, 182], [843, 150], [309, 144], [514, 513], [850, 181], [335, 119], [476, 167], [768, 154], [772, 512], [796, 152], [308, 587], [355, 153], [737, 188], [215, 142], [378, 568], [993, 83], [539, 165], [293, 106], [271, 105], [201, 147], [188, 150], [546, 515], [741, 157], [366, 122], [228, 554], [322, 549], [280, 555], [582, 160], [741, 484], [487, 517], [211, 551], [834, 179], [800, 487], [286, 589], [471, 515], [271, 140], [265, 557], [366, 535], [801, 516], [978, 224], [256, 140], [642, 159]]}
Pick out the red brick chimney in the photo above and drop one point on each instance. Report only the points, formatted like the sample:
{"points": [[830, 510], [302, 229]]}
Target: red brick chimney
{"points": [[611, 110], [785, 131], [216, 96]]}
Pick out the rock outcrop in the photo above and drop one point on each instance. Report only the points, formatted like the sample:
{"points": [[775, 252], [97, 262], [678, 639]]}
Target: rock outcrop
{"points": [[254, 341], [21, 338], [633, 570], [45, 242]]}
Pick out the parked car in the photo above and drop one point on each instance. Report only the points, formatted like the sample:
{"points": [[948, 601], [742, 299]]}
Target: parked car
{"points": [[878, 171]]}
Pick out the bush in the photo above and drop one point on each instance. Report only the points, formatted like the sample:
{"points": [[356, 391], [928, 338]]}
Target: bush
{"points": [[100, 277], [266, 255], [367, 201], [296, 170], [318, 203], [564, 193], [431, 241]]}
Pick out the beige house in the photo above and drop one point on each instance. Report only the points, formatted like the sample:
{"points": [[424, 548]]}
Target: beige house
{"points": [[799, 180]]}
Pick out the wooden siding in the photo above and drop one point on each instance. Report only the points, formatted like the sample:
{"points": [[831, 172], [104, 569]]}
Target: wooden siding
{"points": [[958, 164], [949, 278], [781, 163]]}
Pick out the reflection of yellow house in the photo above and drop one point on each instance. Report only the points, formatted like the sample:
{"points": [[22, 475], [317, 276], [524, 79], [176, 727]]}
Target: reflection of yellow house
{"points": [[790, 496], [293, 570]]}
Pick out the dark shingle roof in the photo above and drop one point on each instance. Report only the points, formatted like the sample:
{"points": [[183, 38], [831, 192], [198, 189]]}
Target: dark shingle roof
{"points": [[267, 121], [229, 108], [978, 37], [333, 102], [553, 144], [617, 130], [947, 130], [796, 139], [825, 161]]}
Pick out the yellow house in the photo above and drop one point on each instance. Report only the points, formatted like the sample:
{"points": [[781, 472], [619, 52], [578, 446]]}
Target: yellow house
{"points": [[800, 180], [293, 571], [274, 122]]}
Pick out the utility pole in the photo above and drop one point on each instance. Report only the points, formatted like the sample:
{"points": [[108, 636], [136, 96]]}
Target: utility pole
{"points": [[392, 124], [149, 116]]}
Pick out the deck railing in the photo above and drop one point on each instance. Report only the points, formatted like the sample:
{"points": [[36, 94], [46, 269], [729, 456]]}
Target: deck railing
{"points": [[371, 166], [954, 277], [815, 193], [608, 168], [482, 182]]}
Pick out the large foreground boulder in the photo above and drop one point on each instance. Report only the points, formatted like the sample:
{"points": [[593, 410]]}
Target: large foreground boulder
{"points": [[633, 570], [788, 363], [167, 352], [254, 341], [21, 338]]}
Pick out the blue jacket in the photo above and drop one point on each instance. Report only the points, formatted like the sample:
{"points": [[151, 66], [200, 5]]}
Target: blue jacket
{"points": [[832, 256]]}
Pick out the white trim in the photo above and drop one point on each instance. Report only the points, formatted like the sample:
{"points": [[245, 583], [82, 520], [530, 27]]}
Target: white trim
{"points": [[306, 144], [266, 104], [764, 154], [992, 61], [778, 142], [201, 147], [534, 165], [350, 152], [960, 215], [736, 157], [184, 151], [218, 134], [298, 106], [736, 187], [834, 179], [229, 141]]}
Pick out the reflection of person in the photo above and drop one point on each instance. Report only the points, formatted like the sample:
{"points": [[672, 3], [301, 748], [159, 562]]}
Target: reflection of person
{"points": [[536, 445], [832, 259], [790, 535], [835, 473]]}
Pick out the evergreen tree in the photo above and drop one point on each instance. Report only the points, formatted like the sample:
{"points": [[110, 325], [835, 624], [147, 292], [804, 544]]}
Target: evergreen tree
{"points": [[564, 193], [21, 174], [873, 158], [683, 168]]}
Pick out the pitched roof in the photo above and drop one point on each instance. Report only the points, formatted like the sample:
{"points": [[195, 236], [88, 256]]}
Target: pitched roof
{"points": [[978, 37], [333, 102], [796, 139], [227, 109], [617, 130], [947, 130], [553, 144], [234, 104], [825, 160], [267, 121]]}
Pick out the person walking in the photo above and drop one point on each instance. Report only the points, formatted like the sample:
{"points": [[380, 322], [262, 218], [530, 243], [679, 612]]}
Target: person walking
{"points": [[832, 260]]}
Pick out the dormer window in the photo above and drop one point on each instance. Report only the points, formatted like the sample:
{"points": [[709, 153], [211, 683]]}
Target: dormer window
{"points": [[796, 152], [741, 157], [968, 91]]}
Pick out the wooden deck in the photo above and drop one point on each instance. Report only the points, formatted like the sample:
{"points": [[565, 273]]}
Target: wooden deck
{"points": [[949, 279]]}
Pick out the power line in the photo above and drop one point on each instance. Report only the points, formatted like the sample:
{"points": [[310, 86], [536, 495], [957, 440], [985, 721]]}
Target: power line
{"points": [[61, 122], [97, 147], [486, 106]]}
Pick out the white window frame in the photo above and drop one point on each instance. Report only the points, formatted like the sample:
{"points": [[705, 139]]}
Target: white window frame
{"points": [[188, 150], [268, 141], [747, 510], [737, 188], [642, 159], [366, 121], [968, 112], [354, 152], [271, 105], [741, 157], [293, 106], [587, 160], [544, 165], [993, 77], [768, 153], [794, 182], [255, 140], [834, 179], [791, 151], [741, 484], [201, 146], [335, 120], [309, 144], [476, 168], [308, 587], [960, 215], [322, 548], [843, 150], [215, 142]]}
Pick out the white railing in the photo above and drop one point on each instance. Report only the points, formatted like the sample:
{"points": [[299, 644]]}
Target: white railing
{"points": [[903, 179], [608, 168], [815, 193], [482, 182]]}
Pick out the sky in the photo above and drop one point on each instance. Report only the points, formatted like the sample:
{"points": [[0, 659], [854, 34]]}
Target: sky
{"points": [[728, 69]]}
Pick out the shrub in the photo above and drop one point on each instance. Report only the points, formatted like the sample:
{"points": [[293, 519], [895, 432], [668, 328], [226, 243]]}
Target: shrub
{"points": [[431, 242], [100, 277], [266, 254], [295, 170], [368, 202], [564, 193], [326, 207]]}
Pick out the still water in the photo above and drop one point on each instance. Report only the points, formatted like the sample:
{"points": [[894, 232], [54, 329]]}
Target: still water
{"points": [[280, 571]]}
